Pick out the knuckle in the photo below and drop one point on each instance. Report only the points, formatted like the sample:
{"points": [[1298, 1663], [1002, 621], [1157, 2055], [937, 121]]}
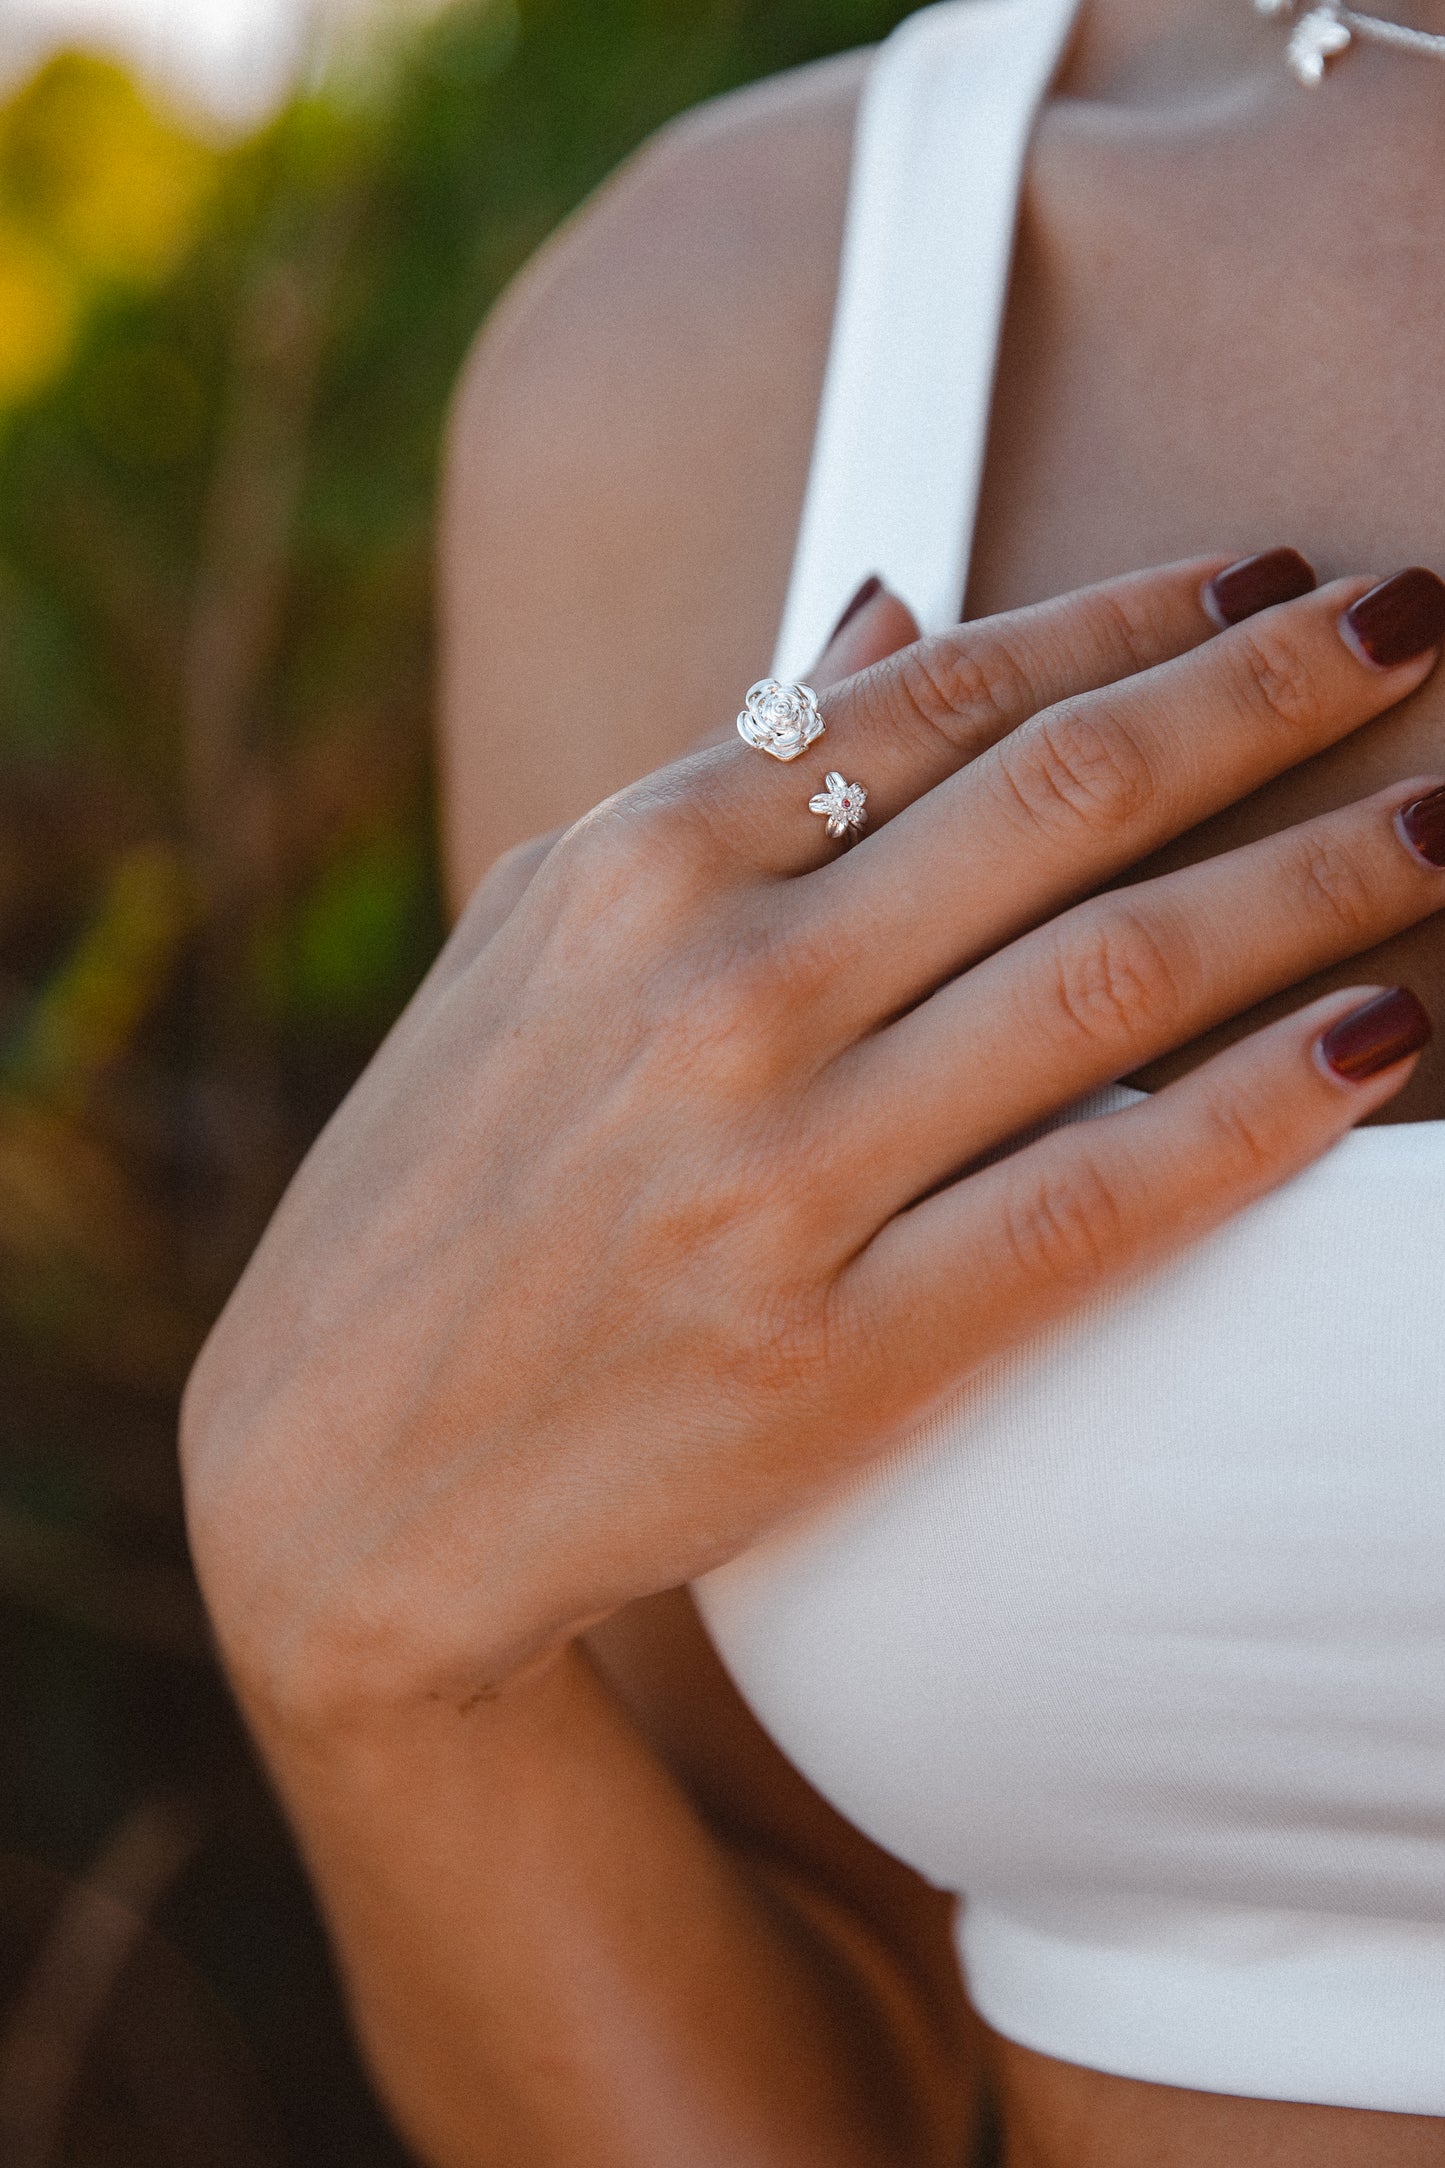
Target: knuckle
{"points": [[1116, 978], [1335, 886], [623, 890], [1131, 616], [1068, 1226], [711, 1028], [964, 689], [806, 963], [855, 1336], [1078, 766], [730, 1019], [790, 1348], [633, 852], [602, 845], [660, 822], [1278, 679], [509, 877], [1241, 1142], [514, 869]]}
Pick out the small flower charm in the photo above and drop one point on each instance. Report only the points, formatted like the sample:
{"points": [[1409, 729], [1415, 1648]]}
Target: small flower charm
{"points": [[845, 806], [781, 719], [1317, 39]]}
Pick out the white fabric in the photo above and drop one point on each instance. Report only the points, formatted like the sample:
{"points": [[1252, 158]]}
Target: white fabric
{"points": [[902, 428], [1139, 1642]]}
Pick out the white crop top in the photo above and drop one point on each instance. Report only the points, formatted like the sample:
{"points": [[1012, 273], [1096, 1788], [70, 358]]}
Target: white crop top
{"points": [[1139, 1642]]}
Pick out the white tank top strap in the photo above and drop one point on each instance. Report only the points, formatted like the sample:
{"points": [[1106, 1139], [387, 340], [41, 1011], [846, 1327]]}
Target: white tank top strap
{"points": [[943, 129]]}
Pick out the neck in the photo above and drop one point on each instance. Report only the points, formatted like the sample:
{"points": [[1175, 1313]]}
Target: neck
{"points": [[1167, 49], [1184, 51]]}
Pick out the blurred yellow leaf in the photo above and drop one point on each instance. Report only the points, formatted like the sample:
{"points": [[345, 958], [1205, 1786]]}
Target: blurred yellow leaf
{"points": [[38, 314], [90, 165]]}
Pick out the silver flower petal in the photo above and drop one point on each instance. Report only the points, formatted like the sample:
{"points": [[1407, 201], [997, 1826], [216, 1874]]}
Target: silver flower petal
{"points": [[1317, 39], [843, 805]]}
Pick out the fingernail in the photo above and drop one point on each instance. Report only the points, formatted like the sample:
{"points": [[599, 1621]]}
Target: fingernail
{"points": [[1423, 827], [1258, 583], [1376, 1036], [871, 586], [1401, 618]]}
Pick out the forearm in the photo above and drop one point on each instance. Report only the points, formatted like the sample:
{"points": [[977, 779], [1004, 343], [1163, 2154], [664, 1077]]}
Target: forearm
{"points": [[552, 1959]]}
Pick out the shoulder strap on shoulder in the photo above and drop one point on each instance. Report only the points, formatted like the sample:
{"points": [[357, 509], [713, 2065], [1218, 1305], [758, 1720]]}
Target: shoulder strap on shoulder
{"points": [[943, 129]]}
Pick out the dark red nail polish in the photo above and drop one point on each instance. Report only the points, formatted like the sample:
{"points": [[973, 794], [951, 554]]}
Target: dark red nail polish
{"points": [[1401, 618], [1258, 583], [1376, 1036], [1423, 827], [871, 586]]}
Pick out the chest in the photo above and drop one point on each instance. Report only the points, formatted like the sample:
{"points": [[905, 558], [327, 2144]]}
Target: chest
{"points": [[1228, 336], [1155, 1604], [1222, 333]]}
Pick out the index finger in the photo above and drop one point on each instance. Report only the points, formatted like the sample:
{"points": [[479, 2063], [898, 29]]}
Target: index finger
{"points": [[908, 723]]}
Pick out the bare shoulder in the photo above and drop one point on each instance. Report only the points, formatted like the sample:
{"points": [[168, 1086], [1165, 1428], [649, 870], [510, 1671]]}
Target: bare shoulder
{"points": [[627, 456]]}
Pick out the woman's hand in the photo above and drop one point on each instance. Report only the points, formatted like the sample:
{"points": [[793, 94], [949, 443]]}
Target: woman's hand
{"points": [[643, 1227]]}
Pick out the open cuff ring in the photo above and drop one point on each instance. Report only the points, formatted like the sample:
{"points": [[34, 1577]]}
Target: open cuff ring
{"points": [[843, 805]]}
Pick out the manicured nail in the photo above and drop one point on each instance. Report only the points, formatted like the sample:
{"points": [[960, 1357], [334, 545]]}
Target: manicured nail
{"points": [[1401, 618], [1258, 583], [1423, 827], [871, 586], [1376, 1036]]}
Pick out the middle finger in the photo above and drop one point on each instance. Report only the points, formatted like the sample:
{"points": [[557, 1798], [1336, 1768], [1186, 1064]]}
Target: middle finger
{"points": [[1095, 783]]}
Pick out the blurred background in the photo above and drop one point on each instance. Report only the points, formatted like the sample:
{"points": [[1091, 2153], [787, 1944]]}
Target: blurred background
{"points": [[243, 247]]}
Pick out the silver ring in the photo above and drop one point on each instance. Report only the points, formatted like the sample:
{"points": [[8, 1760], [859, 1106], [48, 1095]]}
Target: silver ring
{"points": [[781, 719], [843, 805]]}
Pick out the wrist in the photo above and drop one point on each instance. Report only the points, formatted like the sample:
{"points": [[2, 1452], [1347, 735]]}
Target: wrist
{"points": [[318, 1679], [334, 1620], [365, 1760]]}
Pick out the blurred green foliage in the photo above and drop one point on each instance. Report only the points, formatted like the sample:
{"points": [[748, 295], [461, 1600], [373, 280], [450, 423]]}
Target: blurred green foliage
{"points": [[223, 380], [222, 383]]}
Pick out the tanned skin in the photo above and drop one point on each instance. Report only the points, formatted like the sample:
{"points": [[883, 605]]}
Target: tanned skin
{"points": [[1223, 334]]}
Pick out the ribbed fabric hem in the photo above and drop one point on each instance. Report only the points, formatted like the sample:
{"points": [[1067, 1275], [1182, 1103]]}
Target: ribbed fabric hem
{"points": [[1335, 2010]]}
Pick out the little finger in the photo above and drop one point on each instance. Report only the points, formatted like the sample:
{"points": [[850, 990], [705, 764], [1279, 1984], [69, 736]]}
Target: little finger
{"points": [[986, 1262]]}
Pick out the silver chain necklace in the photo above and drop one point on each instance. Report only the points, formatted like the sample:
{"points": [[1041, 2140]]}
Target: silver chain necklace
{"points": [[1330, 29]]}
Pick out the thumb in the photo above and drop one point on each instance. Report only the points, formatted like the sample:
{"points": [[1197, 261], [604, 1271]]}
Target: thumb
{"points": [[874, 624]]}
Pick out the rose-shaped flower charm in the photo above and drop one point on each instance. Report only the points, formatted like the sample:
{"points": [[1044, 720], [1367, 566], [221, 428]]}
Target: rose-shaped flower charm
{"points": [[844, 805], [781, 719]]}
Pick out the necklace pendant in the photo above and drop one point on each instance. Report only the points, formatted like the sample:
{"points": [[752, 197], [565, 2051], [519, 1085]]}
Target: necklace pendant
{"points": [[1316, 40]]}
